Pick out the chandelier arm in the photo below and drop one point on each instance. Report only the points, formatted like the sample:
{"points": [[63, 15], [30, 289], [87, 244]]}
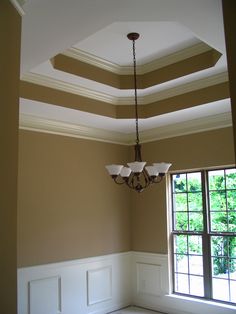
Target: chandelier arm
{"points": [[117, 178], [158, 179], [147, 178]]}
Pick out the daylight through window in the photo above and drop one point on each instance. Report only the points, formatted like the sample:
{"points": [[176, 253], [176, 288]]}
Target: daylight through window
{"points": [[204, 234]]}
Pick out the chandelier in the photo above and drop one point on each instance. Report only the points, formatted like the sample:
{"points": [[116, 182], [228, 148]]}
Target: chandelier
{"points": [[137, 176]]}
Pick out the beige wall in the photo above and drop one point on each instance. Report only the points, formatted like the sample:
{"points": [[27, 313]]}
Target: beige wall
{"points": [[149, 213], [68, 206], [10, 32], [229, 9], [64, 214]]}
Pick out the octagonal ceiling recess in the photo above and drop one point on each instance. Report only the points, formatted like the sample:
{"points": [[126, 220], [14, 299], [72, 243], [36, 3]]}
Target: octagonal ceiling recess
{"points": [[176, 72]]}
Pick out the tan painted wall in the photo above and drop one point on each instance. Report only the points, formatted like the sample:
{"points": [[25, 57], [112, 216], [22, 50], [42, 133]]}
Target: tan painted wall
{"points": [[69, 207], [64, 215], [10, 27], [149, 214], [229, 9]]}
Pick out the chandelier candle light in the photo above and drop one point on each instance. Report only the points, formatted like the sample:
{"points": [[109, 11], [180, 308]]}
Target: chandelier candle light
{"points": [[137, 176]]}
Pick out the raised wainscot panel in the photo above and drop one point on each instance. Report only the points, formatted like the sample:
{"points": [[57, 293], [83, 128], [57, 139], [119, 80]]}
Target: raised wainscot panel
{"points": [[149, 279], [44, 296], [99, 285]]}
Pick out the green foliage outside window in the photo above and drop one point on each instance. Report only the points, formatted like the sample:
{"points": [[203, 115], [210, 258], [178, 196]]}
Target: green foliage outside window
{"points": [[188, 215]]}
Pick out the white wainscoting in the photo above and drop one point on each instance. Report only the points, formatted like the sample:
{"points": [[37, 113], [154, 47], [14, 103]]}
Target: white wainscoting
{"points": [[151, 289], [93, 285], [103, 284]]}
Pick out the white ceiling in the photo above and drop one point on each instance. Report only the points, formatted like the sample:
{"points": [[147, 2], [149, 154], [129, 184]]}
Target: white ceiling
{"points": [[100, 28]]}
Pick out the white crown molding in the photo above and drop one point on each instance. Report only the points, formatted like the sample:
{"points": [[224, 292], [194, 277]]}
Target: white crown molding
{"points": [[143, 100], [18, 6], [213, 122], [185, 88], [183, 54], [50, 82], [34, 123]]}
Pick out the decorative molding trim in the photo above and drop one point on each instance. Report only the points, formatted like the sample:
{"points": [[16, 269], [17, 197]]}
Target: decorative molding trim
{"points": [[61, 287], [213, 122], [44, 281], [91, 59], [94, 287], [186, 88], [18, 6], [33, 123], [50, 82]]}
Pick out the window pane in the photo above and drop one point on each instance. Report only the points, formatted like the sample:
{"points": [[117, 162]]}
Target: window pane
{"points": [[196, 286], [195, 265], [219, 222], [195, 221], [181, 264], [216, 180], [180, 244], [217, 201], [223, 246], [220, 267], [233, 291], [231, 200], [181, 283], [179, 183], [232, 221], [180, 202], [219, 246], [181, 221], [231, 178], [220, 289], [232, 269], [194, 182], [195, 201], [195, 244]]}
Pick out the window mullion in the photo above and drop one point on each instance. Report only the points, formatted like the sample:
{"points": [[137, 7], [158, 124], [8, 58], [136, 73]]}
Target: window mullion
{"points": [[206, 238]]}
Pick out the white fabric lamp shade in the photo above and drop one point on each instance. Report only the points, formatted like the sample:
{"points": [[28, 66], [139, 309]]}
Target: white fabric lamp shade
{"points": [[152, 171], [114, 170], [162, 167], [125, 172], [137, 166]]}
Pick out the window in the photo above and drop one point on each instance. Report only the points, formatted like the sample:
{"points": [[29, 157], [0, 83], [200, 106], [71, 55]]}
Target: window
{"points": [[204, 234]]}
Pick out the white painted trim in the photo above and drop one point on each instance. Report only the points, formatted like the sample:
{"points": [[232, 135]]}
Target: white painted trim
{"points": [[51, 82], [185, 88], [86, 57], [73, 286], [37, 124], [18, 6], [34, 123]]}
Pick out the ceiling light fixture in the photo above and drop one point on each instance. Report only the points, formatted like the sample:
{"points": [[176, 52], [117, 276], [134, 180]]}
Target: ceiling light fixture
{"points": [[137, 176]]}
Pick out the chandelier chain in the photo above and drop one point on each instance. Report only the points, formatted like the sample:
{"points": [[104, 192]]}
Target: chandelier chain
{"points": [[135, 93]]}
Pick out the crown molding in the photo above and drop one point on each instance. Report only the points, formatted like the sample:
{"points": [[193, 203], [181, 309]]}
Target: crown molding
{"points": [[50, 82], [204, 124], [185, 88], [34, 123], [91, 59], [18, 6]]}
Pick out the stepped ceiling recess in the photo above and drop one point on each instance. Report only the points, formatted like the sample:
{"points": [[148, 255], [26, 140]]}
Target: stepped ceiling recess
{"points": [[77, 74]]}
